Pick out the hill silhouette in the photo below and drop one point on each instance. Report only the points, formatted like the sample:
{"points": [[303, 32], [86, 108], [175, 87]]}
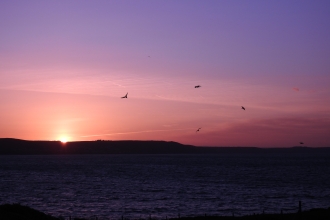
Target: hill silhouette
{"points": [[16, 146], [10, 146]]}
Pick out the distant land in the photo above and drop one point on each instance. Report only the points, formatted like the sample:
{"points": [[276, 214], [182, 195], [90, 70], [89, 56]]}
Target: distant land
{"points": [[10, 146]]}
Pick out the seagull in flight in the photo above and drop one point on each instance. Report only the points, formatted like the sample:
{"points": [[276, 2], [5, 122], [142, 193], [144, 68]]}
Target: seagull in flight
{"points": [[198, 129], [125, 96], [243, 108], [197, 86]]}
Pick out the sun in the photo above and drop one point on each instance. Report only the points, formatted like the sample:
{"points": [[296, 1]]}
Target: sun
{"points": [[63, 140]]}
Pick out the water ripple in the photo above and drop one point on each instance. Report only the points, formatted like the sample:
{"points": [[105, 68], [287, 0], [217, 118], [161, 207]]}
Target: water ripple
{"points": [[110, 186]]}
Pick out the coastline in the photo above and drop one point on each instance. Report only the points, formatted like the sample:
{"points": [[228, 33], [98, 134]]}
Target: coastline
{"points": [[21, 212], [10, 146]]}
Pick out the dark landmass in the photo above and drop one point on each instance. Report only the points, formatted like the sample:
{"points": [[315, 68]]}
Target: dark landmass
{"points": [[9, 146], [23, 147], [20, 212]]}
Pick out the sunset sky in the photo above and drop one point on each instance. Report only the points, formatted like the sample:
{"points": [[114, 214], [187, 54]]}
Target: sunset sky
{"points": [[65, 64]]}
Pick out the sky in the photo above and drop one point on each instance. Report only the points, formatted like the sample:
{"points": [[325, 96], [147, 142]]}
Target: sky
{"points": [[64, 66]]}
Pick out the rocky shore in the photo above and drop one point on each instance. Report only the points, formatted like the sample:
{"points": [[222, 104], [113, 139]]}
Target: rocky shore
{"points": [[20, 212]]}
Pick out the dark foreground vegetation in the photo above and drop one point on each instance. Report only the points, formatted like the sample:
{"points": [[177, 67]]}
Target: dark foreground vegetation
{"points": [[20, 212]]}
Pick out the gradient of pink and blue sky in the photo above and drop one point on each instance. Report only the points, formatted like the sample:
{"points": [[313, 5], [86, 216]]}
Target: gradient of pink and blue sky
{"points": [[65, 64]]}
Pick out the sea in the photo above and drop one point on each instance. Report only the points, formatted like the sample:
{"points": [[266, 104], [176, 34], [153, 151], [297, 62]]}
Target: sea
{"points": [[165, 186]]}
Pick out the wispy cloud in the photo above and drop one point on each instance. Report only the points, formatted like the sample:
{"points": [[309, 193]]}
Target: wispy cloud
{"points": [[296, 89], [136, 132], [169, 125]]}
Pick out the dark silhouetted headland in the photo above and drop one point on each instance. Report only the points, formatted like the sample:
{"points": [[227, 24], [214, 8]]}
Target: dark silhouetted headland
{"points": [[9, 146], [16, 146]]}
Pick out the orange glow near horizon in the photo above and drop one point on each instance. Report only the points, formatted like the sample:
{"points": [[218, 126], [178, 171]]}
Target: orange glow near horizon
{"points": [[78, 117], [64, 140]]}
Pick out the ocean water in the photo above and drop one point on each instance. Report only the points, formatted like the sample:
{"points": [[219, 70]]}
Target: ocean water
{"points": [[160, 186]]}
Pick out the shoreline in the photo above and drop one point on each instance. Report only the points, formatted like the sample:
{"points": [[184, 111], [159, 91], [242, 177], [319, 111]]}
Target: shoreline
{"points": [[21, 212], [11, 146]]}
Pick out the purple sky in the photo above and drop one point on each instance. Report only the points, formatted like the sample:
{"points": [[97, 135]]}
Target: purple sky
{"points": [[65, 64]]}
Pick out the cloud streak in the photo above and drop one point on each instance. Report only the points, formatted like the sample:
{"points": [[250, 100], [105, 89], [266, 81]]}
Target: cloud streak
{"points": [[136, 132]]}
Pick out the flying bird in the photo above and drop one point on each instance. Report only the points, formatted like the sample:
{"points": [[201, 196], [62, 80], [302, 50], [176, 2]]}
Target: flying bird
{"points": [[197, 86], [198, 129], [301, 142], [125, 96], [243, 108]]}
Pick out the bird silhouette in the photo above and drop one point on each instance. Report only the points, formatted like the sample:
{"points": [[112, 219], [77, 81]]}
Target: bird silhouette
{"points": [[243, 108], [125, 96], [198, 129], [197, 86], [301, 142]]}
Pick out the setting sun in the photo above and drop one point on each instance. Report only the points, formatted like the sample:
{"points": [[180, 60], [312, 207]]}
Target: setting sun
{"points": [[64, 140]]}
